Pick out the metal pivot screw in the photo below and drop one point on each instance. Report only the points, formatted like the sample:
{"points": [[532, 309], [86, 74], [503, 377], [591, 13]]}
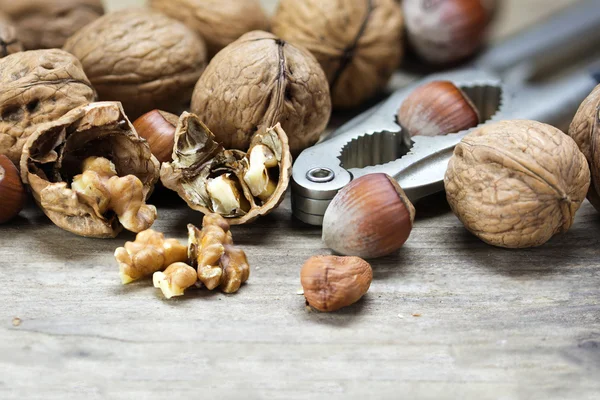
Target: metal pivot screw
{"points": [[320, 175]]}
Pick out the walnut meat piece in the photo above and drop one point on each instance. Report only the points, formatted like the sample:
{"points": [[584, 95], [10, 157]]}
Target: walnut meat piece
{"points": [[9, 40], [517, 183], [46, 24], [150, 252], [219, 22], [257, 82], [239, 186], [141, 58], [358, 43], [37, 87], [175, 279], [53, 158]]}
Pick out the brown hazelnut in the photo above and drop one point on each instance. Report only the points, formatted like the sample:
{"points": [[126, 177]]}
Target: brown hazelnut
{"points": [[358, 43], [369, 218], [517, 183], [331, 282], [258, 81], [218, 22], [445, 31], [437, 108], [158, 128], [46, 24], [141, 58], [12, 192]]}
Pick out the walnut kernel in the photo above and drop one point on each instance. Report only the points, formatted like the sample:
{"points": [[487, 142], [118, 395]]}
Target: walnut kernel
{"points": [[175, 279]]}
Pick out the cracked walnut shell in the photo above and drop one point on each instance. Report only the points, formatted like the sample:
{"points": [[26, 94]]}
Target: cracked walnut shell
{"points": [[141, 58], [517, 183], [37, 87], [237, 185], [357, 42], [218, 22], [54, 159], [257, 82], [46, 24]]}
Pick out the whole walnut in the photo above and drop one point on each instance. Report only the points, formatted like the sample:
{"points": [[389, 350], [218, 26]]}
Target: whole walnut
{"points": [[9, 40], [219, 22], [141, 58], [258, 81], [46, 24], [37, 86], [357, 42], [585, 130], [517, 183]]}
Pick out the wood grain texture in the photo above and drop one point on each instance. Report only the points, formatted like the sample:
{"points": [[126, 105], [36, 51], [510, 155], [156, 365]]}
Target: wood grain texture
{"points": [[493, 324]]}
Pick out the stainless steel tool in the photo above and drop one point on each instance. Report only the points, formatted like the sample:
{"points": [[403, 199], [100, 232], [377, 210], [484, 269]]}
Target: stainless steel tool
{"points": [[504, 83]]}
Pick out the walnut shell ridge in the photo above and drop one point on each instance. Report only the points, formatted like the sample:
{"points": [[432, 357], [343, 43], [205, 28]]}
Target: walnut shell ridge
{"points": [[38, 86], [141, 58], [517, 183], [257, 82], [219, 22], [47, 24], [357, 42]]}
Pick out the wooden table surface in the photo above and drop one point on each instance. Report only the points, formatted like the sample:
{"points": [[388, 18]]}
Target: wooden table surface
{"points": [[447, 317]]}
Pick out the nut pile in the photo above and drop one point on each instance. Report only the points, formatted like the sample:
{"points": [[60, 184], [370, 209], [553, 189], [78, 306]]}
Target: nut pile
{"points": [[210, 259]]}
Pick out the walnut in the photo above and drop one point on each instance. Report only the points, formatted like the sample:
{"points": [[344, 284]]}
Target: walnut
{"points": [[358, 43], [517, 183], [239, 186], [150, 252], [257, 82], [53, 158], [219, 22], [141, 58], [586, 133], [46, 24], [37, 87], [9, 40], [218, 261], [175, 279]]}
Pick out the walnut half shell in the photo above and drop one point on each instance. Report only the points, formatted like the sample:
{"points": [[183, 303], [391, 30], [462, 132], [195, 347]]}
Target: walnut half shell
{"points": [[53, 157], [237, 185]]}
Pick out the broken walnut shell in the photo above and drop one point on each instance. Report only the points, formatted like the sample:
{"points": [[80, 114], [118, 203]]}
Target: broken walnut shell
{"points": [[358, 43], [37, 87], [53, 157], [332, 282], [214, 180], [258, 81], [517, 183], [141, 58], [218, 22]]}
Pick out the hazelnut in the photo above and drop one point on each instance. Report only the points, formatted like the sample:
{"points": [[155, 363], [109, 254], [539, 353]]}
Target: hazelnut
{"points": [[517, 183], [158, 128], [437, 108], [218, 22], [331, 282], [257, 82], [358, 43], [445, 31], [12, 192], [369, 218]]}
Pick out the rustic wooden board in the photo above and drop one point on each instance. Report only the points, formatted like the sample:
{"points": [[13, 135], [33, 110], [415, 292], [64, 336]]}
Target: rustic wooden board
{"points": [[493, 324]]}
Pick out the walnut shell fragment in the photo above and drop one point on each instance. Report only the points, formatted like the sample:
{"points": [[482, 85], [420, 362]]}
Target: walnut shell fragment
{"points": [[517, 183], [46, 24], [584, 131], [257, 82], [218, 22], [53, 157], [37, 87], [141, 58], [358, 43], [9, 40], [237, 185]]}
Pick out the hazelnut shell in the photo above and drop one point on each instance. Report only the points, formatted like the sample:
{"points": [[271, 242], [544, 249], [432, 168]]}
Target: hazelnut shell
{"points": [[12, 192], [158, 128]]}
